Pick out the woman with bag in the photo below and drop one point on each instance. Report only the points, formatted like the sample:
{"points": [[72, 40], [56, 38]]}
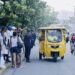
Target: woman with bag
{"points": [[15, 50], [19, 46]]}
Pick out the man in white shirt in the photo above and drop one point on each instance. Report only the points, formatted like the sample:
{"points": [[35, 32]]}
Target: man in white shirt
{"points": [[5, 44], [2, 62]]}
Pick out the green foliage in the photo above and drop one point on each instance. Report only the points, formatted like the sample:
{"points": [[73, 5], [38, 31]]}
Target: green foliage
{"points": [[27, 13]]}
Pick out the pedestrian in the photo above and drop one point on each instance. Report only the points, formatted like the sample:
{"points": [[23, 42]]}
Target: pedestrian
{"points": [[27, 43], [15, 51], [72, 43], [5, 44], [7, 41], [42, 36], [20, 47], [2, 48], [33, 38], [9, 34], [67, 37], [0, 43]]}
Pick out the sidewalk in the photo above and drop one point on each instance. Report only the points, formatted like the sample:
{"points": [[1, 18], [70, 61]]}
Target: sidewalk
{"points": [[7, 66]]}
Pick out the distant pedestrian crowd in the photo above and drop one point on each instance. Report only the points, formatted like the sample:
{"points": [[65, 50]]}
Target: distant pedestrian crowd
{"points": [[12, 46]]}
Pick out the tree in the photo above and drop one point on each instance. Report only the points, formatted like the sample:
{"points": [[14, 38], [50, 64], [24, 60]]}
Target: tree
{"points": [[27, 13], [43, 16]]}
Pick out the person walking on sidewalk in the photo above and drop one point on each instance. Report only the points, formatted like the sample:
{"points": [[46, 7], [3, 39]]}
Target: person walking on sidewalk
{"points": [[27, 43], [15, 50], [33, 38], [6, 43], [2, 48]]}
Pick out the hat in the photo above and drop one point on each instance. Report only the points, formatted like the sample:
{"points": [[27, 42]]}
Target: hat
{"points": [[11, 27]]}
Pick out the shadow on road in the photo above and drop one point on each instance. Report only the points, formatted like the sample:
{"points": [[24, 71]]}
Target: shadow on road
{"points": [[52, 60]]}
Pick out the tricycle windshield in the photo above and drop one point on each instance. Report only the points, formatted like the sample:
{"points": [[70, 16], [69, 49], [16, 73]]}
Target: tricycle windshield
{"points": [[54, 35]]}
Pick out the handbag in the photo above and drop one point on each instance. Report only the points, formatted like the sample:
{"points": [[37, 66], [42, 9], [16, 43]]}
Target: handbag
{"points": [[19, 44]]}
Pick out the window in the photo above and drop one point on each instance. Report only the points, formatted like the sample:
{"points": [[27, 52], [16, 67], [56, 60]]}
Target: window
{"points": [[54, 35]]}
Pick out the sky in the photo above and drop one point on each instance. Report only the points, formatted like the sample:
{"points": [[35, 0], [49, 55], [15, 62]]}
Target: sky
{"points": [[60, 5]]}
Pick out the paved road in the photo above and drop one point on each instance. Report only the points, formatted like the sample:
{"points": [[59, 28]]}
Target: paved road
{"points": [[44, 67]]}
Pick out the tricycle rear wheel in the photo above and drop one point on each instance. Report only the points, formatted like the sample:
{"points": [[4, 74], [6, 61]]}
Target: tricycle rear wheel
{"points": [[62, 57], [40, 56]]}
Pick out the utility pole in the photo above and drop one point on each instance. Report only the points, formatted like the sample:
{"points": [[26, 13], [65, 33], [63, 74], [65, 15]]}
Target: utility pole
{"points": [[74, 11], [74, 20]]}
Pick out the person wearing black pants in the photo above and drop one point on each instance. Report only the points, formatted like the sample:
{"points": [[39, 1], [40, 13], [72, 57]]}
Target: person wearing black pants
{"points": [[27, 43], [27, 54]]}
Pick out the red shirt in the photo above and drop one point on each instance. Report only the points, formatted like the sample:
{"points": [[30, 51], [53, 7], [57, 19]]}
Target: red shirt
{"points": [[73, 38]]}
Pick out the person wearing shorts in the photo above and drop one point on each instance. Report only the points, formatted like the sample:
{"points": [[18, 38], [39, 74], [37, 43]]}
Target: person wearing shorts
{"points": [[15, 51]]}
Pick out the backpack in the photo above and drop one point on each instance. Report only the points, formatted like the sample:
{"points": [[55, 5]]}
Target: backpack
{"points": [[19, 44]]}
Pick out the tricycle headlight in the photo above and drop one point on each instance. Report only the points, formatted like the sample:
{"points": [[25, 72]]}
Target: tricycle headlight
{"points": [[60, 46], [49, 46]]}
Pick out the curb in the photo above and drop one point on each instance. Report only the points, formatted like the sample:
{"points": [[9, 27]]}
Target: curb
{"points": [[3, 70]]}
